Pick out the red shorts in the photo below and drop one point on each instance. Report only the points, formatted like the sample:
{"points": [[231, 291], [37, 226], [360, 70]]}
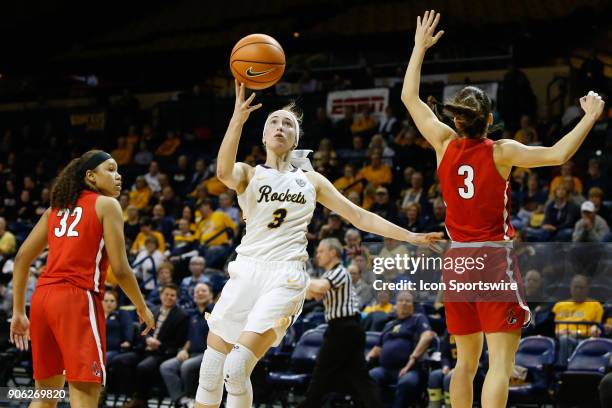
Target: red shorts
{"points": [[68, 333], [489, 317], [481, 267]]}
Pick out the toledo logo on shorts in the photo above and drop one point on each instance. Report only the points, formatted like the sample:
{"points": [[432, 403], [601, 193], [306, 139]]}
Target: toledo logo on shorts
{"points": [[252, 74], [96, 369], [300, 182], [511, 319]]}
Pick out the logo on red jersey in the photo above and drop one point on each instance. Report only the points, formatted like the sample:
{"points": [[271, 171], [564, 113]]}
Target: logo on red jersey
{"points": [[511, 319], [95, 368]]}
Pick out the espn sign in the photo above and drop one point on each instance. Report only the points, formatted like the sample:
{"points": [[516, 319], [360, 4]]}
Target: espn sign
{"points": [[375, 100]]}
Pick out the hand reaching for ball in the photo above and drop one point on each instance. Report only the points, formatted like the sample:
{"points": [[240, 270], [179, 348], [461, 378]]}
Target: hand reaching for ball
{"points": [[242, 107]]}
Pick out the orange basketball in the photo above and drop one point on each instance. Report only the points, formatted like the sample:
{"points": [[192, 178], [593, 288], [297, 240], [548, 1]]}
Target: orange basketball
{"points": [[258, 61]]}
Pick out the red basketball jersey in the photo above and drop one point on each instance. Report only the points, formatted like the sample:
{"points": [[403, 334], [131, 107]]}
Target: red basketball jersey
{"points": [[477, 198], [76, 246]]}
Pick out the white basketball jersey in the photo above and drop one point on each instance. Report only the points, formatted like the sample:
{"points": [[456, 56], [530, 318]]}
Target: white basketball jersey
{"points": [[277, 208]]}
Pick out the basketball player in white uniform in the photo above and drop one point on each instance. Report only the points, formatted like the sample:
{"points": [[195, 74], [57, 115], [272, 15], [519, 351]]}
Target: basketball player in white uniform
{"points": [[268, 279]]}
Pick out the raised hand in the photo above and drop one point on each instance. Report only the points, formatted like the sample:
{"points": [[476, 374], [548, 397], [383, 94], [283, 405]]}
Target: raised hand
{"points": [[592, 104], [423, 37], [242, 107]]}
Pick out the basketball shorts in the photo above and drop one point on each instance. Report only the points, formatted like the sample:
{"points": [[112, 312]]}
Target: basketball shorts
{"points": [[68, 333], [483, 289], [260, 295]]}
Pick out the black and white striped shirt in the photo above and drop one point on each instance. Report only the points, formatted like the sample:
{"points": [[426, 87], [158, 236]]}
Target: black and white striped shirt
{"points": [[340, 300]]}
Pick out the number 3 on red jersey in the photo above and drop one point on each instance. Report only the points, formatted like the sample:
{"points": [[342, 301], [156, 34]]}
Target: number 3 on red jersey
{"points": [[466, 192], [76, 215]]}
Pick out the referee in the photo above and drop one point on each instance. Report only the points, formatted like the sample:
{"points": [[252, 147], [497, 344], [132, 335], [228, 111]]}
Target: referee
{"points": [[341, 358]]}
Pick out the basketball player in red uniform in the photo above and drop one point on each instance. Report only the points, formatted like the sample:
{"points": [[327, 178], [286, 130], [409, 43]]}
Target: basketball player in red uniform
{"points": [[83, 230], [473, 173]]}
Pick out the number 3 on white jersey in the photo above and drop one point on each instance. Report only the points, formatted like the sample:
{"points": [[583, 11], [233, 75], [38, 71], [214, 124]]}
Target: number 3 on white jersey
{"points": [[466, 192], [59, 232]]}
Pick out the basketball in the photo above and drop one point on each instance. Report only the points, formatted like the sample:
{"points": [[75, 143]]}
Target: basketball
{"points": [[258, 61]]}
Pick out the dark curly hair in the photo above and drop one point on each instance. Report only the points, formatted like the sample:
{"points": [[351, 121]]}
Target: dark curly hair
{"points": [[470, 108], [70, 183]]}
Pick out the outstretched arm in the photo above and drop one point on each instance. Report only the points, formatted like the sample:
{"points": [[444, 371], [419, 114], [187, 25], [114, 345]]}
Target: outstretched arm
{"points": [[426, 121], [509, 152], [230, 173], [367, 221]]}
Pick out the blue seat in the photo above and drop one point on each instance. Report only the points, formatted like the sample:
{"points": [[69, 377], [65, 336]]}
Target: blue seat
{"points": [[585, 369], [302, 361], [537, 354]]}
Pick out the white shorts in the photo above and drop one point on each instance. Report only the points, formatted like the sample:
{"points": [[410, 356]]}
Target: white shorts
{"points": [[260, 295]]}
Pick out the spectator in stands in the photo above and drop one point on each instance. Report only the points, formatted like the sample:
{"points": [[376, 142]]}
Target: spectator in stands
{"points": [[6, 301], [566, 171], [579, 308], [596, 196], [146, 230], [398, 354], [416, 194], [26, 209], [559, 219], [384, 207], [147, 261], [10, 200], [197, 265], [354, 198], [437, 222], [180, 373], [389, 125], [353, 246], [199, 175], [165, 273], [529, 199], [44, 202], [378, 142], [348, 182], [124, 202], [226, 205], [140, 194], [438, 385], [184, 238], [119, 330], [168, 146], [357, 153], [376, 173], [140, 368], [8, 242], [594, 178], [216, 230], [152, 177], [381, 304], [411, 218], [576, 198], [122, 153], [364, 123], [334, 228], [540, 306], [171, 203], [180, 175], [391, 249], [363, 291], [527, 133], [591, 227], [162, 223], [144, 156], [131, 227]]}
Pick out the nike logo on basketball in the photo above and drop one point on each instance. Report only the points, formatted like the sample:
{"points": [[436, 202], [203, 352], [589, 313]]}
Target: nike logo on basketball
{"points": [[252, 74]]}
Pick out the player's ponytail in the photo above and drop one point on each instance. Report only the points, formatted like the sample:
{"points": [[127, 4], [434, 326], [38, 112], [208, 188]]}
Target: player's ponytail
{"points": [[470, 108], [70, 183]]}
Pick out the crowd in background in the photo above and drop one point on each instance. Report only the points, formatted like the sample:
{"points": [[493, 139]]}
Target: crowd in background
{"points": [[182, 225]]}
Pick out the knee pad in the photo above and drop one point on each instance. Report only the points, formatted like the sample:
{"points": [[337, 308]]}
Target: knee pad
{"points": [[237, 369], [210, 387]]}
